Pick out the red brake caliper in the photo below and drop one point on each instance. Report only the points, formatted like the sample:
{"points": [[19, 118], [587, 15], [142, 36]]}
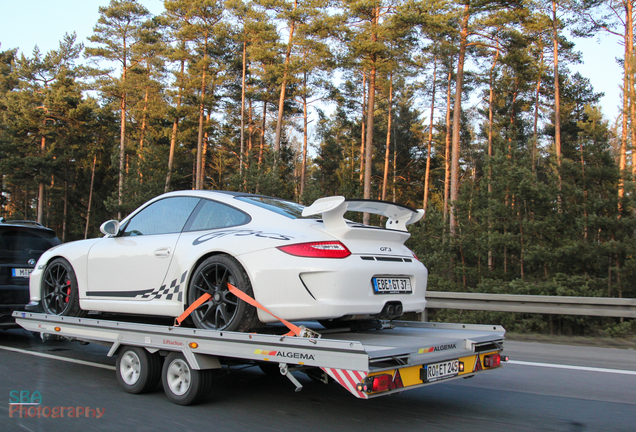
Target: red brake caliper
{"points": [[68, 290]]}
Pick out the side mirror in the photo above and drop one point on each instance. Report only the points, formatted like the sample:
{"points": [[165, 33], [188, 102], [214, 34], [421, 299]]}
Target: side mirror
{"points": [[110, 227]]}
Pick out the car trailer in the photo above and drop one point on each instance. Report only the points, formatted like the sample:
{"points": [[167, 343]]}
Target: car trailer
{"points": [[396, 356]]}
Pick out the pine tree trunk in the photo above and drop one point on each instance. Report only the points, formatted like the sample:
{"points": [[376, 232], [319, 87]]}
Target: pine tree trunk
{"points": [[173, 136], [303, 168], [427, 174], [362, 122], [371, 104], [242, 111], [198, 184], [454, 189], [40, 217], [631, 93], [491, 262], [65, 210], [535, 134], [387, 153], [283, 86], [260, 150], [90, 197], [625, 119], [142, 134], [122, 153], [448, 143], [557, 97]]}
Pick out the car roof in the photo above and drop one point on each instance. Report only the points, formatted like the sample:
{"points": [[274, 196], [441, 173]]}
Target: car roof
{"points": [[24, 224]]}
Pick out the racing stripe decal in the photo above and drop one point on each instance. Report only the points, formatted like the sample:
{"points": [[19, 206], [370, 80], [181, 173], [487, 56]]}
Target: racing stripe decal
{"points": [[348, 379], [173, 292]]}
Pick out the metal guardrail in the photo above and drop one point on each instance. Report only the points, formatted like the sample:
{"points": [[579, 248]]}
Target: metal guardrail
{"points": [[558, 305]]}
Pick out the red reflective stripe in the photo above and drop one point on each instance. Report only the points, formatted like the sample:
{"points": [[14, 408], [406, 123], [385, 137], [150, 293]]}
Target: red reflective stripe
{"points": [[295, 330], [192, 307], [344, 378]]}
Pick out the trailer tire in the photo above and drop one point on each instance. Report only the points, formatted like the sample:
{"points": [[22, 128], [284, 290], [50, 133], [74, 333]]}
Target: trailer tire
{"points": [[182, 384], [138, 371]]}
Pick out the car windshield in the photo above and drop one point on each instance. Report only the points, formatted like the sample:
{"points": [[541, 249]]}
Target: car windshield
{"points": [[288, 209]]}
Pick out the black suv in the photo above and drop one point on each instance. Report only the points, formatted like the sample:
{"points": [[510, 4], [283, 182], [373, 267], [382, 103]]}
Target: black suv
{"points": [[21, 244]]}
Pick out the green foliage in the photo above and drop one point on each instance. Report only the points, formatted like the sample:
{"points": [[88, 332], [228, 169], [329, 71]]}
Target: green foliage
{"points": [[190, 98]]}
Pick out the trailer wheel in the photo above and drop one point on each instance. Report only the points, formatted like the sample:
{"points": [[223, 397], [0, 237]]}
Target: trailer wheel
{"points": [[59, 290], [182, 384], [223, 310], [138, 371]]}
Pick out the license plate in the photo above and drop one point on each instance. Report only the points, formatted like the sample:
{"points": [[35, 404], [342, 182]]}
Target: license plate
{"points": [[439, 371], [387, 285], [21, 272]]}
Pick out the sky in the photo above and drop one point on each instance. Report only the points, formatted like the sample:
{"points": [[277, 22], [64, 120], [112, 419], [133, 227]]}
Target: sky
{"points": [[25, 24]]}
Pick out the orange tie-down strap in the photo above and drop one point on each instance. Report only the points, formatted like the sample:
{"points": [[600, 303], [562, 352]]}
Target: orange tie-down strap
{"points": [[294, 329]]}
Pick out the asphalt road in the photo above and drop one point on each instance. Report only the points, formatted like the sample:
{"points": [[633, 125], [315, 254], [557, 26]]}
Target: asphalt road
{"points": [[544, 388]]}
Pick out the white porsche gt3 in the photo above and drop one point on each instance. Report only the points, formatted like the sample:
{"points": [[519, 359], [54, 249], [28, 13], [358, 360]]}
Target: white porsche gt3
{"points": [[301, 263]]}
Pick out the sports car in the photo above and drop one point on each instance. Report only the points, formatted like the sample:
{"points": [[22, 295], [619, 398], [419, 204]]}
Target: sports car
{"points": [[299, 263]]}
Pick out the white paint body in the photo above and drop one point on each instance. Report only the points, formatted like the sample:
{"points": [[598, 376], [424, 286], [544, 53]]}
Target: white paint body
{"points": [[136, 274]]}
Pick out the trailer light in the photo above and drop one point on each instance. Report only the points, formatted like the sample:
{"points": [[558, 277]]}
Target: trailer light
{"points": [[379, 383], [57, 329], [361, 387], [193, 345], [461, 367], [327, 249], [492, 360]]}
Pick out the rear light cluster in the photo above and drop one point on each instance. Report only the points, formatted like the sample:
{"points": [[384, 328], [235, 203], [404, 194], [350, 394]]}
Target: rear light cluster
{"points": [[328, 249], [378, 383], [492, 360]]}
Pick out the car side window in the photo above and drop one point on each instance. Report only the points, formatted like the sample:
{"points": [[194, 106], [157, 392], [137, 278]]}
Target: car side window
{"points": [[212, 215], [166, 216]]}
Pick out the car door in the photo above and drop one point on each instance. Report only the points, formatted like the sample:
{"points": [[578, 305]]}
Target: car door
{"points": [[133, 264]]}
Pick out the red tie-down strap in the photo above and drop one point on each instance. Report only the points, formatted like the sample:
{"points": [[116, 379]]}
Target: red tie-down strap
{"points": [[294, 329]]}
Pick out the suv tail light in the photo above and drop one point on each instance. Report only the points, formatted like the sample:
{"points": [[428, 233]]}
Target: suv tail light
{"points": [[329, 249]]}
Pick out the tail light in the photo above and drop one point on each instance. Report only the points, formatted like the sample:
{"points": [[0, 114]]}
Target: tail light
{"points": [[378, 383], [329, 249], [492, 360], [413, 253]]}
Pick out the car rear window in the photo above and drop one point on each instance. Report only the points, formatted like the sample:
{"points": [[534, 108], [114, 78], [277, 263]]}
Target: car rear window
{"points": [[288, 209], [16, 243]]}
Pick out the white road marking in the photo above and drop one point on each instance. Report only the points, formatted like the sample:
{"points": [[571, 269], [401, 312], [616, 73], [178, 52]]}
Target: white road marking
{"points": [[54, 357], [579, 368]]}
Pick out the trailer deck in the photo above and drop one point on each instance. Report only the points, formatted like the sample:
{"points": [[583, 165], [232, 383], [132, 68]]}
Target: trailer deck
{"points": [[402, 355]]}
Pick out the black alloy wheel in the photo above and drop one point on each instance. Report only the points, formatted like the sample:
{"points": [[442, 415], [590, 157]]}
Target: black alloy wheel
{"points": [[60, 294], [223, 310]]}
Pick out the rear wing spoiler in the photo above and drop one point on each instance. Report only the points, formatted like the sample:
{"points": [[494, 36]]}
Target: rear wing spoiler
{"points": [[333, 210]]}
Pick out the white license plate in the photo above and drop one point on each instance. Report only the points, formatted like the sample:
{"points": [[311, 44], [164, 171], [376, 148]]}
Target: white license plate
{"points": [[21, 272], [442, 370], [387, 285]]}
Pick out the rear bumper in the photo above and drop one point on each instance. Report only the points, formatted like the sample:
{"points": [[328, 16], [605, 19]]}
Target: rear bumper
{"points": [[296, 288], [12, 298]]}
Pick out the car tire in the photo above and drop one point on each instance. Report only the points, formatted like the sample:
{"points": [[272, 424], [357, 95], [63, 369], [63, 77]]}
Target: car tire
{"points": [[223, 310], [182, 384], [138, 371], [59, 290]]}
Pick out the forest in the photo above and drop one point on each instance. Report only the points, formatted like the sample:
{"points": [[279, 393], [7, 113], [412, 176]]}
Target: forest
{"points": [[465, 108]]}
